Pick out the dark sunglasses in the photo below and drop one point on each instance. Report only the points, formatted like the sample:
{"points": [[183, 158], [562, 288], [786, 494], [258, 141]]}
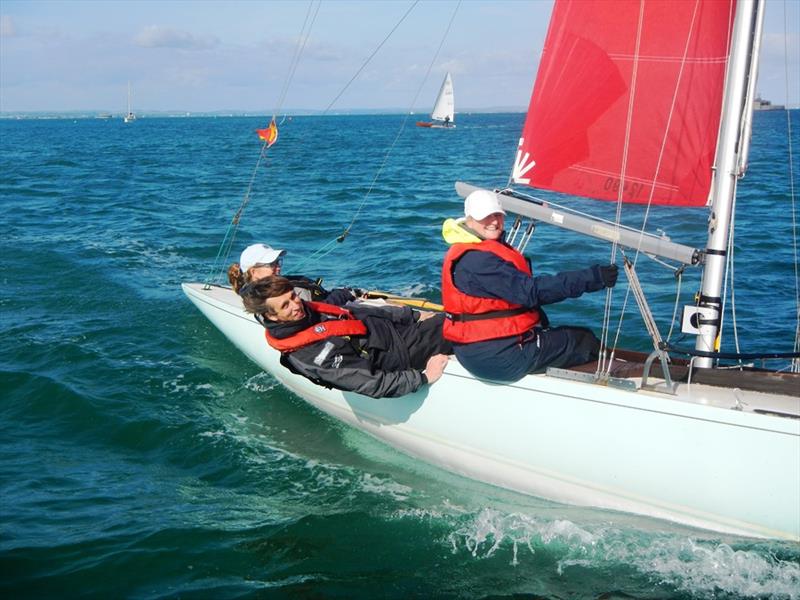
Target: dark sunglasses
{"points": [[272, 265]]}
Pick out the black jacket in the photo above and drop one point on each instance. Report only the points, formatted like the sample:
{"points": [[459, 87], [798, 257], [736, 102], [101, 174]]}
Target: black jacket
{"points": [[387, 362]]}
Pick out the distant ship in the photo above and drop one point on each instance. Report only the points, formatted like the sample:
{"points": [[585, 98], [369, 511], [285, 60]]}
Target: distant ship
{"points": [[760, 104]]}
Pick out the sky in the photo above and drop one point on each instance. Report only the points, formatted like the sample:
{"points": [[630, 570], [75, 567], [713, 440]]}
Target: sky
{"points": [[210, 56]]}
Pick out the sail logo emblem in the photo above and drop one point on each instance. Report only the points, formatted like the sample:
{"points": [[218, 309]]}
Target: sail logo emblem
{"points": [[522, 164], [319, 329]]}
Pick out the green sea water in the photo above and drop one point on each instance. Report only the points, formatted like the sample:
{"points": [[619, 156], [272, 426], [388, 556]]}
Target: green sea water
{"points": [[143, 456]]}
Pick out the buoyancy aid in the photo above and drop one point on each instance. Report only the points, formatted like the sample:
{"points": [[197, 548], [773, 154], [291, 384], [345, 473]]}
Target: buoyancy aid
{"points": [[343, 324], [473, 319]]}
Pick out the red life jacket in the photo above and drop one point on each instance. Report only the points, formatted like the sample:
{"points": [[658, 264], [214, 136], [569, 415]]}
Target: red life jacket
{"points": [[474, 319], [345, 324]]}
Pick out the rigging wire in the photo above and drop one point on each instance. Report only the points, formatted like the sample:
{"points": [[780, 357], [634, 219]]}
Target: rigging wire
{"points": [[607, 311], [329, 246], [218, 265], [618, 219], [298, 51], [370, 57], [795, 365], [729, 277]]}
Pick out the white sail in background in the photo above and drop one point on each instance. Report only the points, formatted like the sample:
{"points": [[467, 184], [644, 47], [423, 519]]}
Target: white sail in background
{"points": [[130, 116], [444, 109]]}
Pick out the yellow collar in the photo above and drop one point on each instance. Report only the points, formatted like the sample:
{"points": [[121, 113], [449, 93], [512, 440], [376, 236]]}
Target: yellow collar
{"points": [[455, 231]]}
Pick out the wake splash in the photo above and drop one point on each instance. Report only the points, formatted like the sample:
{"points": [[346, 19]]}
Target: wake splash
{"points": [[702, 568]]}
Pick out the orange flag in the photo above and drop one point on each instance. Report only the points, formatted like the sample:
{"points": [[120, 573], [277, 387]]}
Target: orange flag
{"points": [[269, 134]]}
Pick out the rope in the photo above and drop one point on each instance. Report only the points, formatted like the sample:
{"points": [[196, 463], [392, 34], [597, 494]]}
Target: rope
{"points": [[618, 215], [218, 265], [346, 231], [370, 57], [298, 51], [329, 246]]}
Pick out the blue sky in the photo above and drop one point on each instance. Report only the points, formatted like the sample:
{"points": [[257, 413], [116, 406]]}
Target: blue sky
{"points": [[234, 56]]}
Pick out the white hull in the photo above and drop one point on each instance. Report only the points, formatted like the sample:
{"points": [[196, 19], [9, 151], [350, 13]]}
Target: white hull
{"points": [[692, 458]]}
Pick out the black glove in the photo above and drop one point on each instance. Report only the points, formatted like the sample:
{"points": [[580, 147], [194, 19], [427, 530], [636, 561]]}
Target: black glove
{"points": [[608, 274], [340, 297]]}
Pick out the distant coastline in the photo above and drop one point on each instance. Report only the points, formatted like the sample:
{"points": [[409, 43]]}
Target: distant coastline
{"points": [[100, 114], [759, 105]]}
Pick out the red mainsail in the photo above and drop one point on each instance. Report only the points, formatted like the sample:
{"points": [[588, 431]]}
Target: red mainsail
{"points": [[628, 98]]}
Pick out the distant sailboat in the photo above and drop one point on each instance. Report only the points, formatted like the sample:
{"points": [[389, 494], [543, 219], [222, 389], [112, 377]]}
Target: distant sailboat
{"points": [[129, 117], [443, 114]]}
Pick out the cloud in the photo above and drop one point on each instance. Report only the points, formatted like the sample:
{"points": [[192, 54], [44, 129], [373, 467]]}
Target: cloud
{"points": [[154, 36], [7, 28]]}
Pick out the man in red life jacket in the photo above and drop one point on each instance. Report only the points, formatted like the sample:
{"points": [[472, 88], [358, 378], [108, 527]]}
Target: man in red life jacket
{"points": [[492, 301], [376, 351]]}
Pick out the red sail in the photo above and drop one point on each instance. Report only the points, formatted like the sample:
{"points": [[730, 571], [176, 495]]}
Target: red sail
{"points": [[628, 96]]}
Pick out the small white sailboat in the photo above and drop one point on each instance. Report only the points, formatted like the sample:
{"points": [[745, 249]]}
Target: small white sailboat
{"points": [[129, 116], [686, 442], [443, 114]]}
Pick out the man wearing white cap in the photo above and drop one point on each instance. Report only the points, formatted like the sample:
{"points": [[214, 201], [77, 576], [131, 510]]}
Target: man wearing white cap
{"points": [[260, 260], [492, 301]]}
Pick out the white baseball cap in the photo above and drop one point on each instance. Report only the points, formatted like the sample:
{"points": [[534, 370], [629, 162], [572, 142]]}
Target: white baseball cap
{"points": [[258, 254], [482, 203]]}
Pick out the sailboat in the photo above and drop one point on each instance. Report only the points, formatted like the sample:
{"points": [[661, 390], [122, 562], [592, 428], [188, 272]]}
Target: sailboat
{"points": [[681, 441], [443, 114], [129, 116]]}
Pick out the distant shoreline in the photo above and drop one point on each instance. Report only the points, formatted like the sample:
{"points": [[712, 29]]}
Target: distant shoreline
{"points": [[105, 115]]}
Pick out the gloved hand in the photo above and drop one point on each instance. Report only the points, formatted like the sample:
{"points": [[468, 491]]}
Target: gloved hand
{"points": [[608, 274], [340, 297]]}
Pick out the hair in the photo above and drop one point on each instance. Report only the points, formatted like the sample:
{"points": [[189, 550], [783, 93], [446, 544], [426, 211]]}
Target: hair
{"points": [[255, 295], [236, 278]]}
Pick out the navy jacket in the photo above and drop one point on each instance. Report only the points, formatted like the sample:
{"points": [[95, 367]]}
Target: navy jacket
{"points": [[488, 276]]}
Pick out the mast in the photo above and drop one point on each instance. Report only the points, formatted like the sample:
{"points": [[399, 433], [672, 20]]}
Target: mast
{"points": [[727, 169]]}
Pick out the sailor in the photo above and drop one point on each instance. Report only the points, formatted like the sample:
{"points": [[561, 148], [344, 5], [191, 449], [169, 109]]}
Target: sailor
{"points": [[385, 351], [493, 302], [260, 260]]}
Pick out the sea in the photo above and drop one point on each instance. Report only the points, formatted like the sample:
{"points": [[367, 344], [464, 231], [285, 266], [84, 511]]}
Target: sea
{"points": [[143, 456]]}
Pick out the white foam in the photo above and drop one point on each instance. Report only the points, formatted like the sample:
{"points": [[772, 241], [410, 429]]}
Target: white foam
{"points": [[384, 487], [703, 568], [713, 567]]}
